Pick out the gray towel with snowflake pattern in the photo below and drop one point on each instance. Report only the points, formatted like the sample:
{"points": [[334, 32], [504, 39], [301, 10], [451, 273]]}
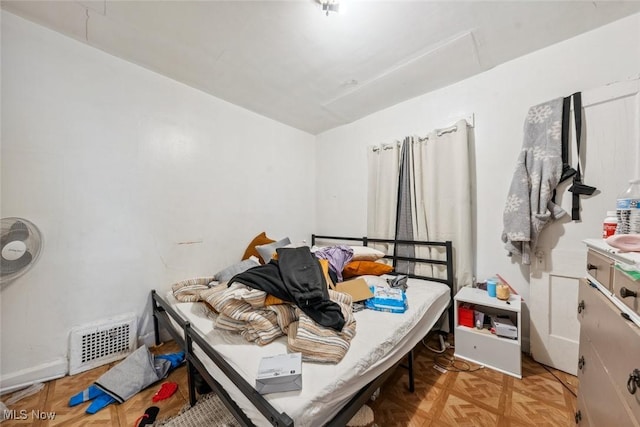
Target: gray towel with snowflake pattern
{"points": [[529, 207]]}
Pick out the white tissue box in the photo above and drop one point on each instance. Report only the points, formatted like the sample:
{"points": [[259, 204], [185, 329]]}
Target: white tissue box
{"points": [[279, 373]]}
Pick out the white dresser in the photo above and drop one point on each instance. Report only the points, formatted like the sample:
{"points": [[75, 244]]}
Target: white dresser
{"points": [[609, 357]]}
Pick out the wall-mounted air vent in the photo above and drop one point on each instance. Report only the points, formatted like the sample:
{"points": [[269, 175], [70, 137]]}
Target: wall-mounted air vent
{"points": [[102, 342]]}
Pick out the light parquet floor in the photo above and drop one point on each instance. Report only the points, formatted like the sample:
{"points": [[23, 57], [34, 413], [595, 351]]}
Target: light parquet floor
{"points": [[54, 399], [476, 397], [480, 397]]}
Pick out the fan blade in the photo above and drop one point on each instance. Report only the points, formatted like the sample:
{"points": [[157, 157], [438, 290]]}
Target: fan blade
{"points": [[19, 231], [12, 266]]}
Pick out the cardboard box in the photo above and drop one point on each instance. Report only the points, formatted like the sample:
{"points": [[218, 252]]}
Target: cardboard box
{"points": [[357, 288], [278, 373]]}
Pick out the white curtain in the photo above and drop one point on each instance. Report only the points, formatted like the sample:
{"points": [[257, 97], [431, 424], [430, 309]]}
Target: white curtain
{"points": [[382, 197], [439, 199]]}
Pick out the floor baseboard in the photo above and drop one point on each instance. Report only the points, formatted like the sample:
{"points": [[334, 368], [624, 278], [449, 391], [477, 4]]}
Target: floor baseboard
{"points": [[26, 377]]}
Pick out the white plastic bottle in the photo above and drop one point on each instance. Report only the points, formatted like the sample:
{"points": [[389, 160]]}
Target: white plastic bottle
{"points": [[609, 224], [628, 209]]}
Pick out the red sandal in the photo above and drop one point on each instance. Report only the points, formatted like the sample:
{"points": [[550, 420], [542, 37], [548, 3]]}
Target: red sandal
{"points": [[166, 390]]}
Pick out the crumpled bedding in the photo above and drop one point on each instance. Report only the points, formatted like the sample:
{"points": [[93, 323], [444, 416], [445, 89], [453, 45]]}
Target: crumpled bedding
{"points": [[338, 257], [382, 340], [296, 277], [241, 309]]}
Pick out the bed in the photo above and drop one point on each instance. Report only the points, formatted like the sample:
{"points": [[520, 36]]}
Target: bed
{"points": [[331, 393]]}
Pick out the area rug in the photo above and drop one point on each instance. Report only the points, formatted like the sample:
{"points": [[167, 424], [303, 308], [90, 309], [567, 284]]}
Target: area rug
{"points": [[210, 411], [362, 418]]}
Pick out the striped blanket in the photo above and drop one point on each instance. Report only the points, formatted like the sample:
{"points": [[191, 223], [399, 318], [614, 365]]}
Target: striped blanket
{"points": [[244, 310]]}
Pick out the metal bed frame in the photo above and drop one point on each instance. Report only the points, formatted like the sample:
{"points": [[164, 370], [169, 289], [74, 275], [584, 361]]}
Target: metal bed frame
{"points": [[163, 313]]}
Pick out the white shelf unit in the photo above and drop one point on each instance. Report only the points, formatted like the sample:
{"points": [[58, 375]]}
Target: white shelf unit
{"points": [[480, 345]]}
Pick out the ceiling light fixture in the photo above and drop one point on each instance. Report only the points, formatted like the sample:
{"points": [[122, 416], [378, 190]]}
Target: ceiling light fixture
{"points": [[329, 6]]}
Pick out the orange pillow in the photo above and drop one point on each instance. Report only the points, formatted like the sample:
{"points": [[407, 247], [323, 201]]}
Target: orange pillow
{"points": [[260, 239], [359, 268]]}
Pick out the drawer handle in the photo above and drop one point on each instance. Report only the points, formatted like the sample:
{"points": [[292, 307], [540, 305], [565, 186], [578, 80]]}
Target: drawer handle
{"points": [[581, 363], [578, 416], [580, 306], [591, 267], [634, 381], [624, 293]]}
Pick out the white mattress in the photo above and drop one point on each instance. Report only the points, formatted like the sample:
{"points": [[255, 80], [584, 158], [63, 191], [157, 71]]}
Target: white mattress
{"points": [[381, 340]]}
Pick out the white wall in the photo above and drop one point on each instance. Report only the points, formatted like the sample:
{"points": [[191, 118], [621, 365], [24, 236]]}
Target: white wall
{"points": [[120, 167], [500, 99]]}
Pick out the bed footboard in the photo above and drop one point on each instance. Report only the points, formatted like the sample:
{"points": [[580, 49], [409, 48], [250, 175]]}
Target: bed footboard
{"points": [[261, 404], [163, 313]]}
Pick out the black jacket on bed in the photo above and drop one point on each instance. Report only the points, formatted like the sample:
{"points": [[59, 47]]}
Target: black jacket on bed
{"points": [[296, 277]]}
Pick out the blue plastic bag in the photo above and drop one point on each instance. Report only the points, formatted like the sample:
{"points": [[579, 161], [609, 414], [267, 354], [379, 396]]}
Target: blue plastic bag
{"points": [[390, 300]]}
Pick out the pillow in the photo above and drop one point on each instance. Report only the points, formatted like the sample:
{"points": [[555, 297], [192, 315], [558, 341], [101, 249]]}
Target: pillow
{"points": [[260, 239], [360, 268], [226, 274], [266, 251], [298, 244], [365, 253]]}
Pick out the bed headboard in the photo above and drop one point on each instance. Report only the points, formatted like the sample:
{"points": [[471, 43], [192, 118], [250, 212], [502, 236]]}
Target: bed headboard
{"points": [[394, 257]]}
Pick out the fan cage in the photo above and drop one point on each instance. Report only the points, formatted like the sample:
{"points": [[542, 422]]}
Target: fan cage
{"points": [[33, 243]]}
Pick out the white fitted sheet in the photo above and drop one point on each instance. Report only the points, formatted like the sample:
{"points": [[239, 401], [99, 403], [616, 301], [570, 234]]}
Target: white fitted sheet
{"points": [[381, 340]]}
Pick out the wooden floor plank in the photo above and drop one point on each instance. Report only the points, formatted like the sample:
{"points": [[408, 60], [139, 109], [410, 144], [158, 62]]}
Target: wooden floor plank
{"points": [[473, 397]]}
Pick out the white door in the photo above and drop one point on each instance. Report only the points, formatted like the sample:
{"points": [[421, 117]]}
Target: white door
{"points": [[610, 157]]}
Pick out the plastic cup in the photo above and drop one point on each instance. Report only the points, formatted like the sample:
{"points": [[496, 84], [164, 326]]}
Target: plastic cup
{"points": [[491, 287]]}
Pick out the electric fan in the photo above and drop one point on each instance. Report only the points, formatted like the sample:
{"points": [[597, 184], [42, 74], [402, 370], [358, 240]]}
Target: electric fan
{"points": [[20, 243]]}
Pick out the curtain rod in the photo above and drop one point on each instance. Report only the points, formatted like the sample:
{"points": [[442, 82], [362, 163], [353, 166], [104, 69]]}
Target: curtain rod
{"points": [[469, 118]]}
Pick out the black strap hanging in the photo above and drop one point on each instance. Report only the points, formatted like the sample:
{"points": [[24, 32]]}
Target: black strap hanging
{"points": [[567, 170], [578, 188]]}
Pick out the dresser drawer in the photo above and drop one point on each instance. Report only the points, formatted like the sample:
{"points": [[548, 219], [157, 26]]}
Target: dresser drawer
{"points": [[621, 280], [600, 267], [502, 354], [616, 340], [606, 408], [583, 408]]}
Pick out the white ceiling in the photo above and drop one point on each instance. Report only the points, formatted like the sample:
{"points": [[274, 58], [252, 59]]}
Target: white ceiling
{"points": [[288, 61]]}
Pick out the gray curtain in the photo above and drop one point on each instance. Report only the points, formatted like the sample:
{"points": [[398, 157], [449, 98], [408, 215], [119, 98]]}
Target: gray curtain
{"points": [[404, 220]]}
